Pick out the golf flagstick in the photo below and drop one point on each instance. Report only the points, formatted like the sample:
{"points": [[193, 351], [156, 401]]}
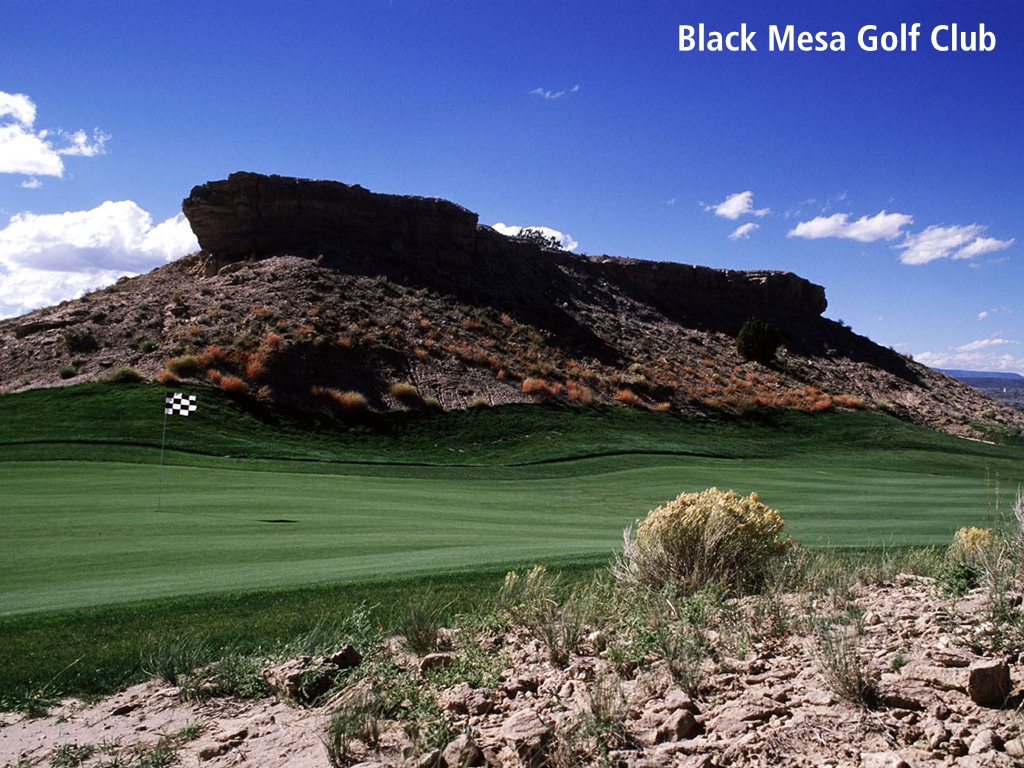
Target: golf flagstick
{"points": [[182, 405]]}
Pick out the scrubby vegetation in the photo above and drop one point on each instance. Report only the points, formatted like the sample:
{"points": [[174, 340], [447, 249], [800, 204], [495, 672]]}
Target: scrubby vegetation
{"points": [[698, 539], [428, 662], [757, 341]]}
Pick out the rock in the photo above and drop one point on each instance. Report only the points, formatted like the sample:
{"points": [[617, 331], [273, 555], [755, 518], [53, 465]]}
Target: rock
{"points": [[435, 661], [935, 734], [988, 683], [250, 215], [986, 741], [907, 694], [305, 678], [735, 718], [1015, 747], [222, 745], [528, 683], [942, 678], [677, 699], [987, 760], [680, 725], [463, 752], [432, 759], [883, 760], [525, 733], [820, 698], [464, 699]]}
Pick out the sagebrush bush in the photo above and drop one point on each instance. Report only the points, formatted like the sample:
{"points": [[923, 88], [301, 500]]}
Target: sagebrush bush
{"points": [[123, 375], [405, 393], [711, 537], [184, 365]]}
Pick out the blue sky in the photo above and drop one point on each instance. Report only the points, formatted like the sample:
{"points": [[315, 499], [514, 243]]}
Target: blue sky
{"points": [[893, 178]]}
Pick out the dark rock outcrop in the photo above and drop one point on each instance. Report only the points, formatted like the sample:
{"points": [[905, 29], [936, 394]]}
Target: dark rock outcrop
{"points": [[433, 241]]}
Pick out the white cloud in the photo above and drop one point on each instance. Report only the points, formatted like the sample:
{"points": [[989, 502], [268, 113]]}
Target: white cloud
{"points": [[974, 346], [955, 242], [511, 230], [995, 353], [28, 152], [743, 231], [995, 311], [546, 94], [866, 229], [734, 206], [47, 258]]}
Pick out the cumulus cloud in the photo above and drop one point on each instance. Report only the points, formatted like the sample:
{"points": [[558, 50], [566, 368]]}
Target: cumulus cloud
{"points": [[742, 232], [511, 230], [546, 94], [996, 353], [934, 242], [955, 242], [866, 229], [30, 152], [734, 206], [47, 258]]}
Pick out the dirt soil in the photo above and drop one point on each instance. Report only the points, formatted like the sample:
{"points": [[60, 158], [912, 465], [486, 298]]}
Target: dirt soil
{"points": [[939, 699]]}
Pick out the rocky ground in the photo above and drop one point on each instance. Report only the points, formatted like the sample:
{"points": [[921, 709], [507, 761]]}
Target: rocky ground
{"points": [[933, 696]]}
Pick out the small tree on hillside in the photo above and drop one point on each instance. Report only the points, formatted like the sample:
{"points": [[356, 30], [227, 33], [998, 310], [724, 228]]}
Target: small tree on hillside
{"points": [[538, 236], [757, 341]]}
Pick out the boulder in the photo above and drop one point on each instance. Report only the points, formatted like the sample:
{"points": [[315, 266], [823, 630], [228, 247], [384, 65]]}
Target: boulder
{"points": [[526, 734], [988, 683]]}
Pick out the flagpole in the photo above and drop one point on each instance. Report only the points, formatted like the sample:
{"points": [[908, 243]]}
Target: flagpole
{"points": [[181, 405], [163, 444]]}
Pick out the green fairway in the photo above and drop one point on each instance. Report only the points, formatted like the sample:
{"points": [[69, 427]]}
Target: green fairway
{"points": [[437, 493], [272, 521]]}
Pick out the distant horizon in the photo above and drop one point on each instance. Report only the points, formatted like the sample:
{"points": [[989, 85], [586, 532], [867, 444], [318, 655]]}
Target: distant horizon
{"points": [[871, 150], [957, 373]]}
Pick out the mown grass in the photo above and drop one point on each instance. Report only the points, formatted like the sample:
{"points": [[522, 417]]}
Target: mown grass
{"points": [[93, 651], [272, 520]]}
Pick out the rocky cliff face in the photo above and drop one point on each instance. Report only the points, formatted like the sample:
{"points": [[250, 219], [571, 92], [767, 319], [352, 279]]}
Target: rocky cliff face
{"points": [[308, 290], [437, 242]]}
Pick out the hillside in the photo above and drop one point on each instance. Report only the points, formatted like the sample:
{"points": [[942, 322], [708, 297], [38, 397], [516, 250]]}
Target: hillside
{"points": [[326, 296]]}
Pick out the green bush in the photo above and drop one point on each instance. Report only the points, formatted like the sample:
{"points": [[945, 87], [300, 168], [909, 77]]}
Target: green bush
{"points": [[79, 339], [697, 539], [124, 375], [184, 365], [757, 341]]}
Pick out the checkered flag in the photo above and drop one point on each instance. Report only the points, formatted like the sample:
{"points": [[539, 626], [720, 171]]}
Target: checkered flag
{"points": [[180, 404]]}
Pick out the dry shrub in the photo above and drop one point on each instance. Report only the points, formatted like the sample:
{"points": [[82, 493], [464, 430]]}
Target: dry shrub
{"points": [[579, 392], [256, 367], [214, 355], [405, 393], [711, 537], [166, 377], [849, 401], [628, 397], [971, 544], [541, 389], [184, 365], [230, 384], [349, 402]]}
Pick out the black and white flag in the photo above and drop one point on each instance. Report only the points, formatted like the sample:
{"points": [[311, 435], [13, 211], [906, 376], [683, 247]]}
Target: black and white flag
{"points": [[180, 404]]}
